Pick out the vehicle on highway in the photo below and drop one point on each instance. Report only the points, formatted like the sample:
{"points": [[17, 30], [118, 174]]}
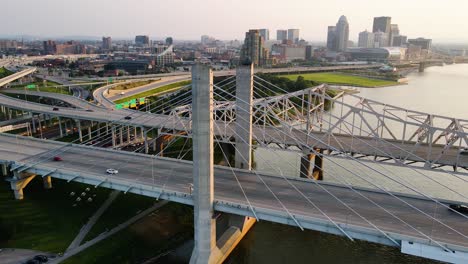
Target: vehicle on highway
{"points": [[89, 110], [33, 261], [128, 117], [57, 158], [459, 208], [112, 171], [464, 151], [122, 93], [55, 109], [41, 258]]}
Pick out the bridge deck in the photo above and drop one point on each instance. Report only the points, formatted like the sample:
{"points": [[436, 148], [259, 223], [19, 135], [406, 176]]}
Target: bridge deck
{"points": [[175, 176]]}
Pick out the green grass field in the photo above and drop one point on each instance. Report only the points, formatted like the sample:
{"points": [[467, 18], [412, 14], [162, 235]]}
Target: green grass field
{"points": [[48, 86], [131, 85], [45, 220], [341, 79], [159, 232], [154, 91], [4, 72]]}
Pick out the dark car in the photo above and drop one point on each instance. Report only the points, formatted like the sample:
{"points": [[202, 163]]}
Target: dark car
{"points": [[41, 258], [128, 117], [55, 109], [89, 110], [464, 151], [33, 261], [57, 158], [459, 208]]}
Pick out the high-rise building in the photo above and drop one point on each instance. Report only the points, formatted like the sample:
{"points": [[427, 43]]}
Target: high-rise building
{"points": [[342, 34], [293, 35], [366, 39], [265, 33], [380, 39], [382, 24], [253, 49], [142, 40], [281, 34], [50, 47], [169, 41], [394, 31], [106, 43], [421, 42], [331, 38], [399, 41]]}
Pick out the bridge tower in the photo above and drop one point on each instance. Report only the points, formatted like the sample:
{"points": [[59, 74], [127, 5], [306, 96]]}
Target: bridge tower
{"points": [[209, 247], [244, 94]]}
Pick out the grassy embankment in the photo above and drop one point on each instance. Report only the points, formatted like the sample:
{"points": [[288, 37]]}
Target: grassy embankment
{"points": [[341, 79], [154, 91], [130, 85], [47, 86], [45, 220], [4, 73]]}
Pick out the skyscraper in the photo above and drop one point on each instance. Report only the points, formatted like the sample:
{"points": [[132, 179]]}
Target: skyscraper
{"points": [[281, 34], [394, 31], [398, 41], [169, 41], [331, 38], [382, 24], [142, 40], [342, 34], [265, 33], [253, 49], [106, 43], [366, 39], [293, 35]]}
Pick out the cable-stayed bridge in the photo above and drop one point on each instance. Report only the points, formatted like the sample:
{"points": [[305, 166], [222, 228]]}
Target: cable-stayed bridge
{"points": [[317, 124]]}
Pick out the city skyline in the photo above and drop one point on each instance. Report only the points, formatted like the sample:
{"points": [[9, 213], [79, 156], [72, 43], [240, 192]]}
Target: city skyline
{"points": [[131, 18]]}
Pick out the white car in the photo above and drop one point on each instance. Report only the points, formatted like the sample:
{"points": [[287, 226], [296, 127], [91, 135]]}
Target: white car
{"points": [[112, 171]]}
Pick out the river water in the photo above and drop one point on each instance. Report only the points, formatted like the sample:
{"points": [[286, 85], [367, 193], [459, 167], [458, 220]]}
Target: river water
{"points": [[439, 90]]}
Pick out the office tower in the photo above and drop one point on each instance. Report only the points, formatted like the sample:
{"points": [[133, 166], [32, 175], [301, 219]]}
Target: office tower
{"points": [[380, 39], [281, 34], [382, 24], [394, 31], [265, 33], [366, 39], [421, 42], [142, 40], [398, 41], [253, 49], [342, 34], [106, 43], [331, 38], [293, 35], [169, 41]]}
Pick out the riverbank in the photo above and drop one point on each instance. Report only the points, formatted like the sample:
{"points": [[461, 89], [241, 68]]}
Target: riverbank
{"points": [[342, 79]]}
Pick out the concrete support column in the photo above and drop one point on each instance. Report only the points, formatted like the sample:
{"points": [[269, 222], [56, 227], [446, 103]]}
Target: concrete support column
{"points": [[305, 170], [128, 135], [121, 136], [33, 121], [145, 136], [4, 169], [89, 133], [17, 185], [244, 94], [66, 127], [80, 134], [318, 168], [60, 126], [205, 250], [113, 137], [40, 124], [47, 181], [107, 128]]}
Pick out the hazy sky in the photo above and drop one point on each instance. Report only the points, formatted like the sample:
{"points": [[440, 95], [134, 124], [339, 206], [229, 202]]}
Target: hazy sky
{"points": [[440, 20]]}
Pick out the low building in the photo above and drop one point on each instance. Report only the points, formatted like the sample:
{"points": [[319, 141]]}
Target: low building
{"points": [[288, 53], [377, 54], [421, 42]]}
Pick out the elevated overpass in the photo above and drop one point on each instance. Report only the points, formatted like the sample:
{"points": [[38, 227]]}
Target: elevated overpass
{"points": [[15, 76]]}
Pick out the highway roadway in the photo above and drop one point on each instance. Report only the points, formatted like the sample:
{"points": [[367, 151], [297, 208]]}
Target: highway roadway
{"points": [[137, 172]]}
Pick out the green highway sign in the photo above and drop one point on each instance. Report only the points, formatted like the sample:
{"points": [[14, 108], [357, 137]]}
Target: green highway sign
{"points": [[31, 86], [110, 79], [118, 106]]}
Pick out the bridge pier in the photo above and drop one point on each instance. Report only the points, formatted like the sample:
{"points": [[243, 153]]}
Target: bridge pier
{"points": [[80, 133], [422, 67], [60, 126], [47, 182], [113, 137], [19, 182], [316, 172]]}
